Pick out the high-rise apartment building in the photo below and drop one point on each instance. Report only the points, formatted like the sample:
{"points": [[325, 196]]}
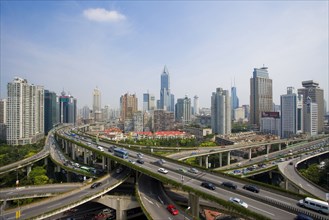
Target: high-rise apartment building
{"points": [[183, 110], [196, 107], [3, 119], [128, 106], [51, 110], [163, 120], [97, 108], [138, 121], [221, 112], [25, 112], [261, 95], [270, 123], [166, 98], [291, 113], [67, 109], [311, 89], [311, 117]]}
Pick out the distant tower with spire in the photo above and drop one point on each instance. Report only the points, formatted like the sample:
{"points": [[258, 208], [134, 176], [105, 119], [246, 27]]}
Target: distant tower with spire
{"points": [[165, 96]]}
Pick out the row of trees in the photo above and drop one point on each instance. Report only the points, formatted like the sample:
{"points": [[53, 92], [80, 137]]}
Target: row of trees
{"points": [[319, 176]]}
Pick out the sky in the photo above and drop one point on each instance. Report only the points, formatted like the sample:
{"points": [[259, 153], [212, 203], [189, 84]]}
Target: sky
{"points": [[123, 46]]}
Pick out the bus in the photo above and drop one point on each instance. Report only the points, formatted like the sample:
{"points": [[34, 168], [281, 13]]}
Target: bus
{"points": [[85, 168], [89, 169], [315, 204], [121, 153]]}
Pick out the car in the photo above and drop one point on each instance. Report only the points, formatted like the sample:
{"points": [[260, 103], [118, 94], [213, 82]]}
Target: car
{"points": [[301, 216], [119, 170], [131, 161], [140, 155], [172, 209], [208, 185], [291, 163], [161, 161], [193, 170], [100, 148], [95, 185], [238, 201], [251, 188], [229, 185], [162, 170], [140, 161], [182, 170]]}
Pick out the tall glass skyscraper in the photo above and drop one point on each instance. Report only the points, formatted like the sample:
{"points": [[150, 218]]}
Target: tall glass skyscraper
{"points": [[51, 110], [165, 97], [261, 95]]}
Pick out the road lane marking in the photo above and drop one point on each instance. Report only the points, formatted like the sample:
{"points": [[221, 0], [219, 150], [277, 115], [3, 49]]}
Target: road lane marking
{"points": [[157, 205], [52, 206], [148, 200], [262, 210]]}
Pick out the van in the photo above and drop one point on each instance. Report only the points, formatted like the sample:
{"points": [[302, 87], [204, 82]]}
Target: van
{"points": [[315, 204]]}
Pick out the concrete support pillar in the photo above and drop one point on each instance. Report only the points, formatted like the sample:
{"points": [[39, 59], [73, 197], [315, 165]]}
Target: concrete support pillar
{"points": [[103, 162], [220, 160], [66, 148], [270, 174], [73, 151], [207, 163], [46, 161], [68, 177], [28, 170], [120, 214], [268, 147], [109, 164], [193, 202], [249, 154], [286, 184], [280, 145], [85, 152], [200, 161], [229, 158]]}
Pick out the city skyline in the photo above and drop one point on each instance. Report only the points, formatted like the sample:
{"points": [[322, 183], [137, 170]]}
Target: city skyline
{"points": [[120, 47]]}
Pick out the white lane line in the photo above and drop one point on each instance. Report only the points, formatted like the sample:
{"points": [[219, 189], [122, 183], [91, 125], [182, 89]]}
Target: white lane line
{"points": [[157, 205], [52, 206], [278, 200], [262, 210], [148, 200]]}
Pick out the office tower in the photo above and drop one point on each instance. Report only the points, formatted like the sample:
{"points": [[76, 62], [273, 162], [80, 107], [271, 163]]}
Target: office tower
{"points": [[221, 112], [148, 102], [291, 113], [3, 119], [246, 111], [270, 123], [67, 108], [172, 102], [196, 105], [51, 110], [163, 120], [128, 106], [85, 112], [166, 98], [97, 105], [239, 114], [183, 110], [311, 117], [311, 89], [25, 112], [234, 98]]}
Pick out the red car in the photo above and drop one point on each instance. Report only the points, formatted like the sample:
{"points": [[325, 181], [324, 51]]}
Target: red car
{"points": [[172, 209]]}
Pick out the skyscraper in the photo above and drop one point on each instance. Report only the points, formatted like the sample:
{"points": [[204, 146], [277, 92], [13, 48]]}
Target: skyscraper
{"points": [[97, 105], [221, 112], [128, 106], [261, 95], [183, 110], [311, 117], [234, 100], [25, 112], [311, 89], [51, 110], [148, 102], [196, 106], [291, 113], [165, 97], [67, 108], [3, 118]]}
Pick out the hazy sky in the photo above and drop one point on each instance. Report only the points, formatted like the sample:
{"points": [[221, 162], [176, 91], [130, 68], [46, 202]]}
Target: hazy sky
{"points": [[123, 46]]}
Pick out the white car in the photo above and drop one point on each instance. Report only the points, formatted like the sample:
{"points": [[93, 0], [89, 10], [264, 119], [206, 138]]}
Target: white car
{"points": [[162, 170], [238, 201]]}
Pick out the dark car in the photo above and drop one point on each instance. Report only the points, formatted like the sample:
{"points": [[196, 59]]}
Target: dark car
{"points": [[94, 185], [229, 185], [251, 188], [208, 185], [302, 216], [140, 161]]}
